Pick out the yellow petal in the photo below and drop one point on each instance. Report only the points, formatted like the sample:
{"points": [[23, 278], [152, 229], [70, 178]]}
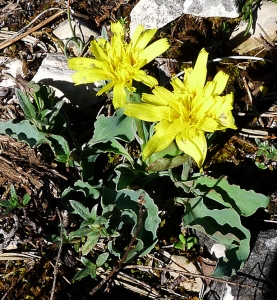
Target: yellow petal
{"points": [[159, 141], [146, 112], [117, 29], [89, 76], [154, 50], [143, 39], [138, 31], [209, 125], [195, 147], [197, 77], [145, 79], [98, 51], [178, 85], [83, 63], [162, 95], [119, 95], [221, 80], [106, 88]]}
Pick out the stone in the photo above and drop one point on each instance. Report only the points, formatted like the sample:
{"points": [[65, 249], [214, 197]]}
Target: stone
{"points": [[260, 270], [12, 67], [155, 13], [266, 18], [212, 8], [83, 30], [55, 73], [158, 13]]}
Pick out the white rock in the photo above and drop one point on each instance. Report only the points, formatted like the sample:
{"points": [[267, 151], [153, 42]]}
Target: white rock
{"points": [[155, 13], [158, 13], [55, 72], [212, 8], [266, 18], [12, 67], [218, 250], [82, 28]]}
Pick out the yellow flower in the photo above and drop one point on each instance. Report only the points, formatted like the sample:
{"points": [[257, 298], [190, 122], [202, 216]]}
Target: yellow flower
{"points": [[185, 114], [119, 62]]}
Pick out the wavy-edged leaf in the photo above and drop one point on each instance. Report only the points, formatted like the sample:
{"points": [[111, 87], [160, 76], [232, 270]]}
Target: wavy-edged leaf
{"points": [[128, 207], [219, 189], [118, 126], [224, 226], [23, 131]]}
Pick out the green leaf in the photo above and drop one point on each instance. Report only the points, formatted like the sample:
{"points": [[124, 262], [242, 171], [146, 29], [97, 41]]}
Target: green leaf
{"points": [[92, 239], [87, 263], [82, 274], [244, 202], [13, 193], [118, 127], [224, 226], [26, 199], [88, 190], [191, 241], [80, 209], [23, 131], [127, 206], [179, 245], [60, 148], [115, 147], [167, 163], [26, 104], [101, 259], [88, 159], [126, 176], [56, 111], [79, 233], [182, 239]]}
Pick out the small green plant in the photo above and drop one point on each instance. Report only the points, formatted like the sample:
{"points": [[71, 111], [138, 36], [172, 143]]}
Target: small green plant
{"points": [[267, 152], [247, 13], [90, 268], [185, 243], [93, 227], [225, 27], [14, 201], [41, 108]]}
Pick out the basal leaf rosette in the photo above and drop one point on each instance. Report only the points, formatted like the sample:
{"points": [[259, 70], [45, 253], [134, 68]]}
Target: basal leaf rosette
{"points": [[119, 62], [185, 114]]}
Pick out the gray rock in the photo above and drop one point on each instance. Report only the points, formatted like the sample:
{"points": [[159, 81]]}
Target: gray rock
{"points": [[83, 30], [13, 68], [155, 13], [55, 72], [212, 8], [266, 17], [158, 13], [259, 271]]}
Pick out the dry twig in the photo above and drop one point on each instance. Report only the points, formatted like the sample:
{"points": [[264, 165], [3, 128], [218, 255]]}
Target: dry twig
{"points": [[58, 257]]}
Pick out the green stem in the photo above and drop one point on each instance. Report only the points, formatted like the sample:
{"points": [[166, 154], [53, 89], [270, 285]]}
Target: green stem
{"points": [[186, 168], [141, 134]]}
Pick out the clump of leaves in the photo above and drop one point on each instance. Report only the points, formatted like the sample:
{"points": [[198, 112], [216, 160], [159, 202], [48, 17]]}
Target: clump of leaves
{"points": [[267, 152], [14, 202], [185, 243], [247, 13], [45, 123], [41, 108]]}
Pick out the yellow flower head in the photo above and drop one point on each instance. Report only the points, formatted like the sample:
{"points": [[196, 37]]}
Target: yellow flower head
{"points": [[184, 115], [119, 62]]}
